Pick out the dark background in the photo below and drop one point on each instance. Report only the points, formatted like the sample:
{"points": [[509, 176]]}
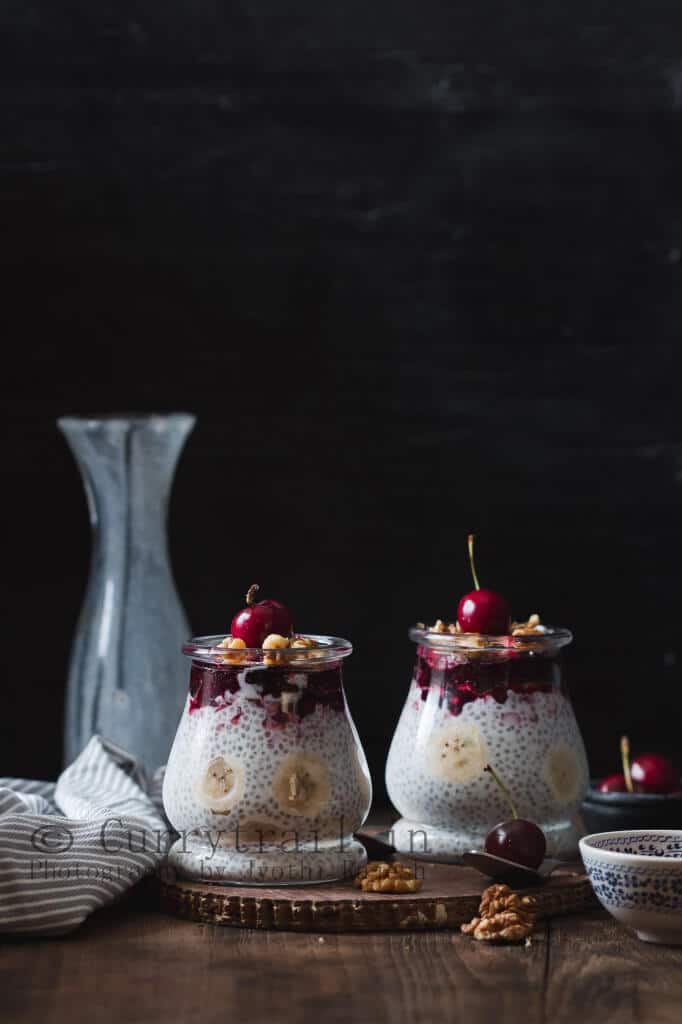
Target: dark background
{"points": [[417, 268]]}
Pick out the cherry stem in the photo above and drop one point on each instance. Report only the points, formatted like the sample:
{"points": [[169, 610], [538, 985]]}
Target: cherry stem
{"points": [[507, 795], [251, 594], [470, 545], [625, 758]]}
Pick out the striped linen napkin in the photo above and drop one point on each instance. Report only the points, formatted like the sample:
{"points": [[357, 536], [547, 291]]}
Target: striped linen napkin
{"points": [[68, 848]]}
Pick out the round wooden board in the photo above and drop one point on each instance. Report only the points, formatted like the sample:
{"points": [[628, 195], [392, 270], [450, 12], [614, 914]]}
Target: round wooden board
{"points": [[449, 897]]}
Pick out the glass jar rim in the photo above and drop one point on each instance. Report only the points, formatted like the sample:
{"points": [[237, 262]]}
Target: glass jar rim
{"points": [[325, 649], [451, 643]]}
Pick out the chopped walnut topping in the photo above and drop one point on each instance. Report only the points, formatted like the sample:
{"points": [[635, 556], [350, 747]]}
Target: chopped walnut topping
{"points": [[380, 876], [532, 627], [234, 643], [503, 916], [274, 642], [450, 628], [309, 650]]}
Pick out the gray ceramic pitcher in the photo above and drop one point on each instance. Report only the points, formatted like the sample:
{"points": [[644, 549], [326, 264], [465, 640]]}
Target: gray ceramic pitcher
{"points": [[127, 680]]}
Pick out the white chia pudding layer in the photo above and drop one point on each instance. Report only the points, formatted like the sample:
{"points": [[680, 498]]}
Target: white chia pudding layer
{"points": [[435, 770], [252, 787]]}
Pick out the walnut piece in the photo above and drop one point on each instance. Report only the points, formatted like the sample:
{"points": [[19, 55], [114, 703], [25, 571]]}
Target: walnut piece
{"points": [[380, 876], [308, 649], [275, 642], [451, 632], [497, 898], [234, 644], [532, 627], [503, 916]]}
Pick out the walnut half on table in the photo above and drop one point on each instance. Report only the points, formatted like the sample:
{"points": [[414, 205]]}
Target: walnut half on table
{"points": [[380, 876], [504, 916]]}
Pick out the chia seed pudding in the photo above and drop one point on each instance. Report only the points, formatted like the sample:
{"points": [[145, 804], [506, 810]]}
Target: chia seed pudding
{"points": [[475, 700], [267, 781]]}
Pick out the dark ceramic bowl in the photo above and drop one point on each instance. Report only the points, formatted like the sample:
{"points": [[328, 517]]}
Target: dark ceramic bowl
{"points": [[611, 812]]}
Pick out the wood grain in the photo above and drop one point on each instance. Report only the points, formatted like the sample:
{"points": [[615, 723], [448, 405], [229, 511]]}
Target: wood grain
{"points": [[141, 967], [449, 897], [595, 963], [130, 964]]}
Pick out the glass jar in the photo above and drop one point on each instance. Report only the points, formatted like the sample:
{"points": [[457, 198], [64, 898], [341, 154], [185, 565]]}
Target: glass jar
{"points": [[477, 700], [267, 780]]}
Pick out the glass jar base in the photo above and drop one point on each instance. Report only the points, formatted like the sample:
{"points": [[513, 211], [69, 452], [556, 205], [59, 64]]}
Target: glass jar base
{"points": [[339, 861], [428, 842]]}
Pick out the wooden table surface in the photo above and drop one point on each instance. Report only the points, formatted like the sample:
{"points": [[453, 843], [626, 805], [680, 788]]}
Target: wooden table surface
{"points": [[131, 963]]}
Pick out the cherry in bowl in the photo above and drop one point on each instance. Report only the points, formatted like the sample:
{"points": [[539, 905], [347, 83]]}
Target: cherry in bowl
{"points": [[653, 773], [647, 773], [613, 784]]}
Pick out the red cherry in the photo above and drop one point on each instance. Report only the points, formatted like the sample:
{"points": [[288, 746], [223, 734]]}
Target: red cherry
{"points": [[518, 840], [653, 773], [253, 623], [613, 784], [482, 611]]}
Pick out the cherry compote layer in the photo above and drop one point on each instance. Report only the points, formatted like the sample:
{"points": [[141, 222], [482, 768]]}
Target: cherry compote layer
{"points": [[285, 695], [463, 679]]}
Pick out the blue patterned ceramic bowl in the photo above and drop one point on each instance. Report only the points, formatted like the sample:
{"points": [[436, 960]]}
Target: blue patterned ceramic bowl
{"points": [[637, 877]]}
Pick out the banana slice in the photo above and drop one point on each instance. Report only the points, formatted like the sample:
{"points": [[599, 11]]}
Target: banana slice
{"points": [[221, 786], [561, 771], [457, 753], [301, 785]]}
